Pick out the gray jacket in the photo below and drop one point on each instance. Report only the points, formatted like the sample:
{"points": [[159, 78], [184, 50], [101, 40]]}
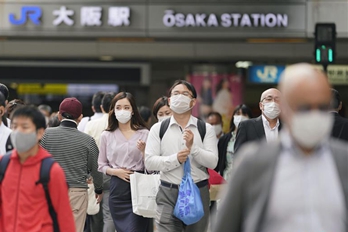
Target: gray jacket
{"points": [[244, 205]]}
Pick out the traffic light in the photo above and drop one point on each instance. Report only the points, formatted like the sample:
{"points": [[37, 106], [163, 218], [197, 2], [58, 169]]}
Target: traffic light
{"points": [[325, 43]]}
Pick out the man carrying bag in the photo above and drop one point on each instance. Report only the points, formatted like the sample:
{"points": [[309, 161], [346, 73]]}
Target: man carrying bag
{"points": [[167, 154]]}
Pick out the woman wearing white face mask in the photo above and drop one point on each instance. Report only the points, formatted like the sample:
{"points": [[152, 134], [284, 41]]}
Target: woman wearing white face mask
{"points": [[161, 109], [121, 153], [226, 142]]}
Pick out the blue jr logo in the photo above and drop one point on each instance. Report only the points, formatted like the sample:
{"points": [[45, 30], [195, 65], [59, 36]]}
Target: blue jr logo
{"points": [[33, 13]]}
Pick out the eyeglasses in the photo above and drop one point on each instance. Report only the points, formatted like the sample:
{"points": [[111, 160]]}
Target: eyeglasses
{"points": [[270, 99], [185, 93]]}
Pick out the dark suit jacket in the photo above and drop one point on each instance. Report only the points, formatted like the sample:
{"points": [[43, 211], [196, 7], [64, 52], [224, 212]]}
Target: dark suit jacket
{"points": [[340, 127], [222, 148], [246, 198], [250, 130]]}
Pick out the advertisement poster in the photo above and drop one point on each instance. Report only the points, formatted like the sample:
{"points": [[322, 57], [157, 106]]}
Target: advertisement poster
{"points": [[217, 92]]}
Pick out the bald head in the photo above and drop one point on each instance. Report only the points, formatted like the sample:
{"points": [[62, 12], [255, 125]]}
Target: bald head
{"points": [[270, 92], [303, 88]]}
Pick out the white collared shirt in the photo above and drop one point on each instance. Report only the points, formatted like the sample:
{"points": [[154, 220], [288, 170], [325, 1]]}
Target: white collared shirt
{"points": [[271, 133], [96, 127], [162, 155], [85, 120], [306, 193], [4, 133]]}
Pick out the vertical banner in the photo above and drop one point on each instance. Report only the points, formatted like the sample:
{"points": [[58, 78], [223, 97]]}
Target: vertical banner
{"points": [[217, 92]]}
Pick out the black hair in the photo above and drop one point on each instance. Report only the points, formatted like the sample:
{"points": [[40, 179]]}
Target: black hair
{"points": [[2, 100], [96, 101], [160, 102], [4, 90], [106, 101], [215, 114], [190, 87], [245, 110], [145, 113], [335, 99], [31, 112]]}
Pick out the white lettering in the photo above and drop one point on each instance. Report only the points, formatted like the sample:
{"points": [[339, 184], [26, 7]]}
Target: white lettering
{"points": [[271, 20], [235, 17], [169, 18], [91, 16], [282, 20], [200, 20], [226, 20], [180, 20], [190, 20], [119, 16], [63, 15], [256, 18], [212, 21], [245, 21], [262, 23]]}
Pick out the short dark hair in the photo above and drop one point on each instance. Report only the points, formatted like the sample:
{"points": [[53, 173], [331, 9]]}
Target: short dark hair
{"points": [[4, 90], [106, 101], [96, 101], [217, 114], [137, 122], [31, 112], [2, 100], [335, 99], [53, 121], [160, 102], [190, 87], [145, 113]]}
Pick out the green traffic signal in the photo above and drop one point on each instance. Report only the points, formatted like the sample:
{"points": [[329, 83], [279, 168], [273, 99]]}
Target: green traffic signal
{"points": [[324, 54], [330, 55], [318, 55]]}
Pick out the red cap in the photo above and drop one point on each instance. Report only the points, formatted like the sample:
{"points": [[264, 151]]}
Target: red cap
{"points": [[70, 108]]}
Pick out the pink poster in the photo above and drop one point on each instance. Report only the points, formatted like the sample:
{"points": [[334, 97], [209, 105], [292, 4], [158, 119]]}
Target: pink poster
{"points": [[217, 92]]}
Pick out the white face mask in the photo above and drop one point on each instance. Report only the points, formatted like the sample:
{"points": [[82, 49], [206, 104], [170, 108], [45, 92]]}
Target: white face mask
{"points": [[123, 116], [162, 118], [218, 129], [180, 103], [239, 118], [271, 110], [310, 128]]}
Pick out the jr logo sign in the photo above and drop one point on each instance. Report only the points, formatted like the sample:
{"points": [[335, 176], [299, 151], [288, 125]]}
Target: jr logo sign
{"points": [[33, 13]]}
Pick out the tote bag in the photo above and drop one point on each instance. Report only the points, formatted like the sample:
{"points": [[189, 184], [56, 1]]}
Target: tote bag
{"points": [[92, 207], [144, 189], [188, 207]]}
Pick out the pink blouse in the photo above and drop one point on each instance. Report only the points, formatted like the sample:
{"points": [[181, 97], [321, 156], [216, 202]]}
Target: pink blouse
{"points": [[116, 151]]}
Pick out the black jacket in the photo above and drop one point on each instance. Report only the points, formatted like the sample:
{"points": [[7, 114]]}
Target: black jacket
{"points": [[340, 127]]}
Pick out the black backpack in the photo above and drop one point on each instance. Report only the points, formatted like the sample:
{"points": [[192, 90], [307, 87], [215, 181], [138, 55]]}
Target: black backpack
{"points": [[46, 165], [200, 126]]}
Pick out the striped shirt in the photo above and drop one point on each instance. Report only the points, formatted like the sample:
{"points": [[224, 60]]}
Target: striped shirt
{"points": [[76, 152]]}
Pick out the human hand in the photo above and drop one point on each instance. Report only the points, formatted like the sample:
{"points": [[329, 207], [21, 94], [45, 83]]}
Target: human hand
{"points": [[188, 137], [99, 197], [141, 146], [182, 155], [123, 174]]}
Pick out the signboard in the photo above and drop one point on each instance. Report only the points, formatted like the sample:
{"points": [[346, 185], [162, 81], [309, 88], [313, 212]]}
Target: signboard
{"points": [[265, 73], [337, 74], [97, 19]]}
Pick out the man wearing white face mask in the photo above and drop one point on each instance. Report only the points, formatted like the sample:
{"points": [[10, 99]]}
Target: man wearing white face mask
{"points": [[181, 140], [298, 183], [267, 125], [215, 119]]}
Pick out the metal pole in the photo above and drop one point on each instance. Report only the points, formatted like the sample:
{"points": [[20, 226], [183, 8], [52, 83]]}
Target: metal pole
{"points": [[325, 68]]}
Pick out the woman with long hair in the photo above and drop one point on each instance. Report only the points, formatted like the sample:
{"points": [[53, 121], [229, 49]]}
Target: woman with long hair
{"points": [[121, 153]]}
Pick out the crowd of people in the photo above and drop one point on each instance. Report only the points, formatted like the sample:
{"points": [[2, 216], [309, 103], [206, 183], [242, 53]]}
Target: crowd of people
{"points": [[285, 172]]}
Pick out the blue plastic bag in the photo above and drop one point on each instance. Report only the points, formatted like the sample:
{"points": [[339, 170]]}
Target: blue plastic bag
{"points": [[188, 207]]}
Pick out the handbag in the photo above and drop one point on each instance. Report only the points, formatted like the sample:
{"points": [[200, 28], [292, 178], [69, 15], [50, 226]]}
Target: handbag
{"points": [[144, 188], [189, 206], [93, 206]]}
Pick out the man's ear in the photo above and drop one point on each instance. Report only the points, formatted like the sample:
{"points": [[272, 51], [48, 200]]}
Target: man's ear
{"points": [[60, 117], [40, 133], [78, 120], [2, 111], [93, 109], [340, 106]]}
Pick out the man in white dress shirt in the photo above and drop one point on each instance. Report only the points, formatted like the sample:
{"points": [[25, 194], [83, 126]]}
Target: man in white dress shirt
{"points": [[96, 102], [182, 139]]}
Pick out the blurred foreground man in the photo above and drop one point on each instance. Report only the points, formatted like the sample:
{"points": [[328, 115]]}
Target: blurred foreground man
{"points": [[299, 183]]}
